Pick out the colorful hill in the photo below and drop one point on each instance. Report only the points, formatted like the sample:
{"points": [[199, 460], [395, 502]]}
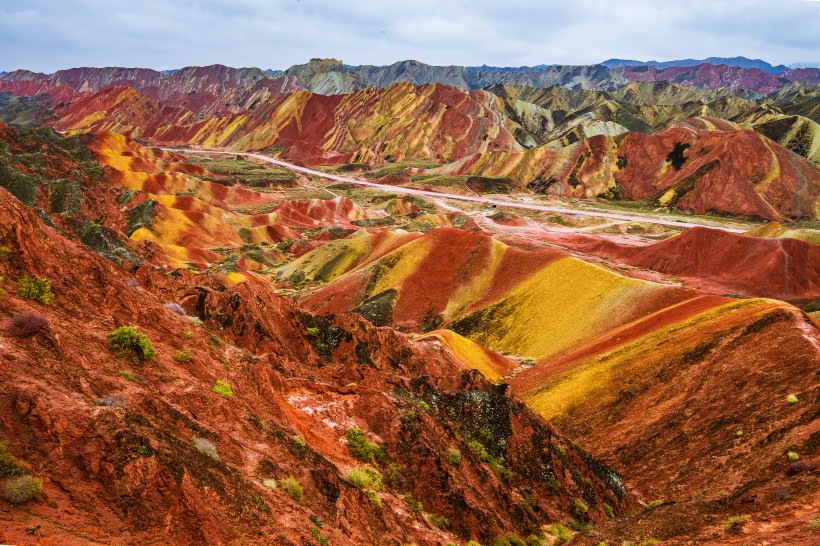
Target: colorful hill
{"points": [[703, 165], [399, 122], [152, 451], [623, 341]]}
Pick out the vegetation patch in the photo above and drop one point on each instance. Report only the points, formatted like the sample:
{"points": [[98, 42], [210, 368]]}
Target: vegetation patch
{"points": [[126, 341], [222, 388], [366, 477], [439, 521], [363, 449], [35, 288], [293, 488], [22, 489], [206, 447], [26, 325]]}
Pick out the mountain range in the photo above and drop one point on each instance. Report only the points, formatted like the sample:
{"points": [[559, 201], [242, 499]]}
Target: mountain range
{"points": [[410, 305]]}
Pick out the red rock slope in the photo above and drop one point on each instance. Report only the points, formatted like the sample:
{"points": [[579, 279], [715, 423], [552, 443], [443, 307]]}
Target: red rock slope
{"points": [[115, 440]]}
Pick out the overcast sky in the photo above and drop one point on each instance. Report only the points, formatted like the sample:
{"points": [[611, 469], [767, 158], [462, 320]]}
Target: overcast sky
{"points": [[47, 35]]}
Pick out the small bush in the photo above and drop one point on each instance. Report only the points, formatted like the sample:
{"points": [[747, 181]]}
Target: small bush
{"points": [[413, 503], [126, 374], [608, 510], [293, 488], [578, 526], [365, 477], [735, 523], [35, 288], [439, 521], [206, 447], [374, 498], [269, 483], [798, 467], [793, 456], [655, 503], [395, 476], [114, 400], [580, 508], [814, 524], [8, 463], [187, 334], [223, 388], [176, 308], [792, 399], [454, 456], [144, 450], [362, 449], [298, 441], [4, 252], [26, 324], [21, 489], [423, 406], [126, 341], [183, 356], [561, 534]]}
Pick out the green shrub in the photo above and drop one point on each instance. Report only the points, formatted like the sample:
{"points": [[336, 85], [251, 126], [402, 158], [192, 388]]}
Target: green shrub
{"points": [[365, 477], [454, 456], [205, 446], [223, 388], [35, 288], [187, 334], [793, 456], [298, 441], [422, 405], [4, 251], [374, 498], [319, 538], [413, 503], [580, 508], [578, 526], [20, 489], [478, 450], [735, 523], [126, 374], [127, 341], [561, 449], [608, 510], [814, 524], [439, 521], [269, 483], [561, 534], [293, 488], [792, 399], [183, 356], [362, 449], [8, 463]]}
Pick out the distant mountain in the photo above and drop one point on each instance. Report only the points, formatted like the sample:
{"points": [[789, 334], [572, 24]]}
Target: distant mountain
{"points": [[815, 64], [737, 62]]}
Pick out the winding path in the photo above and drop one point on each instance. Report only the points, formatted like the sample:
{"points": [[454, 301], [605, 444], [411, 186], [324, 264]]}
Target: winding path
{"points": [[437, 195]]}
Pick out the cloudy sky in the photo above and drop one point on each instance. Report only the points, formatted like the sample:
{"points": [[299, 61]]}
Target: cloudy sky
{"points": [[46, 35]]}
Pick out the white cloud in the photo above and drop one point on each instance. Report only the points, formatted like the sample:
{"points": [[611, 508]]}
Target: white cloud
{"points": [[47, 35]]}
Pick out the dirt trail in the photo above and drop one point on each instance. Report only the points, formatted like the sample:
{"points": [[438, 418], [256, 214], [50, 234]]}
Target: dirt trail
{"points": [[494, 202]]}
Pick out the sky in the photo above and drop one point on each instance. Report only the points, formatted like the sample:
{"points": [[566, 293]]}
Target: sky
{"points": [[47, 35]]}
